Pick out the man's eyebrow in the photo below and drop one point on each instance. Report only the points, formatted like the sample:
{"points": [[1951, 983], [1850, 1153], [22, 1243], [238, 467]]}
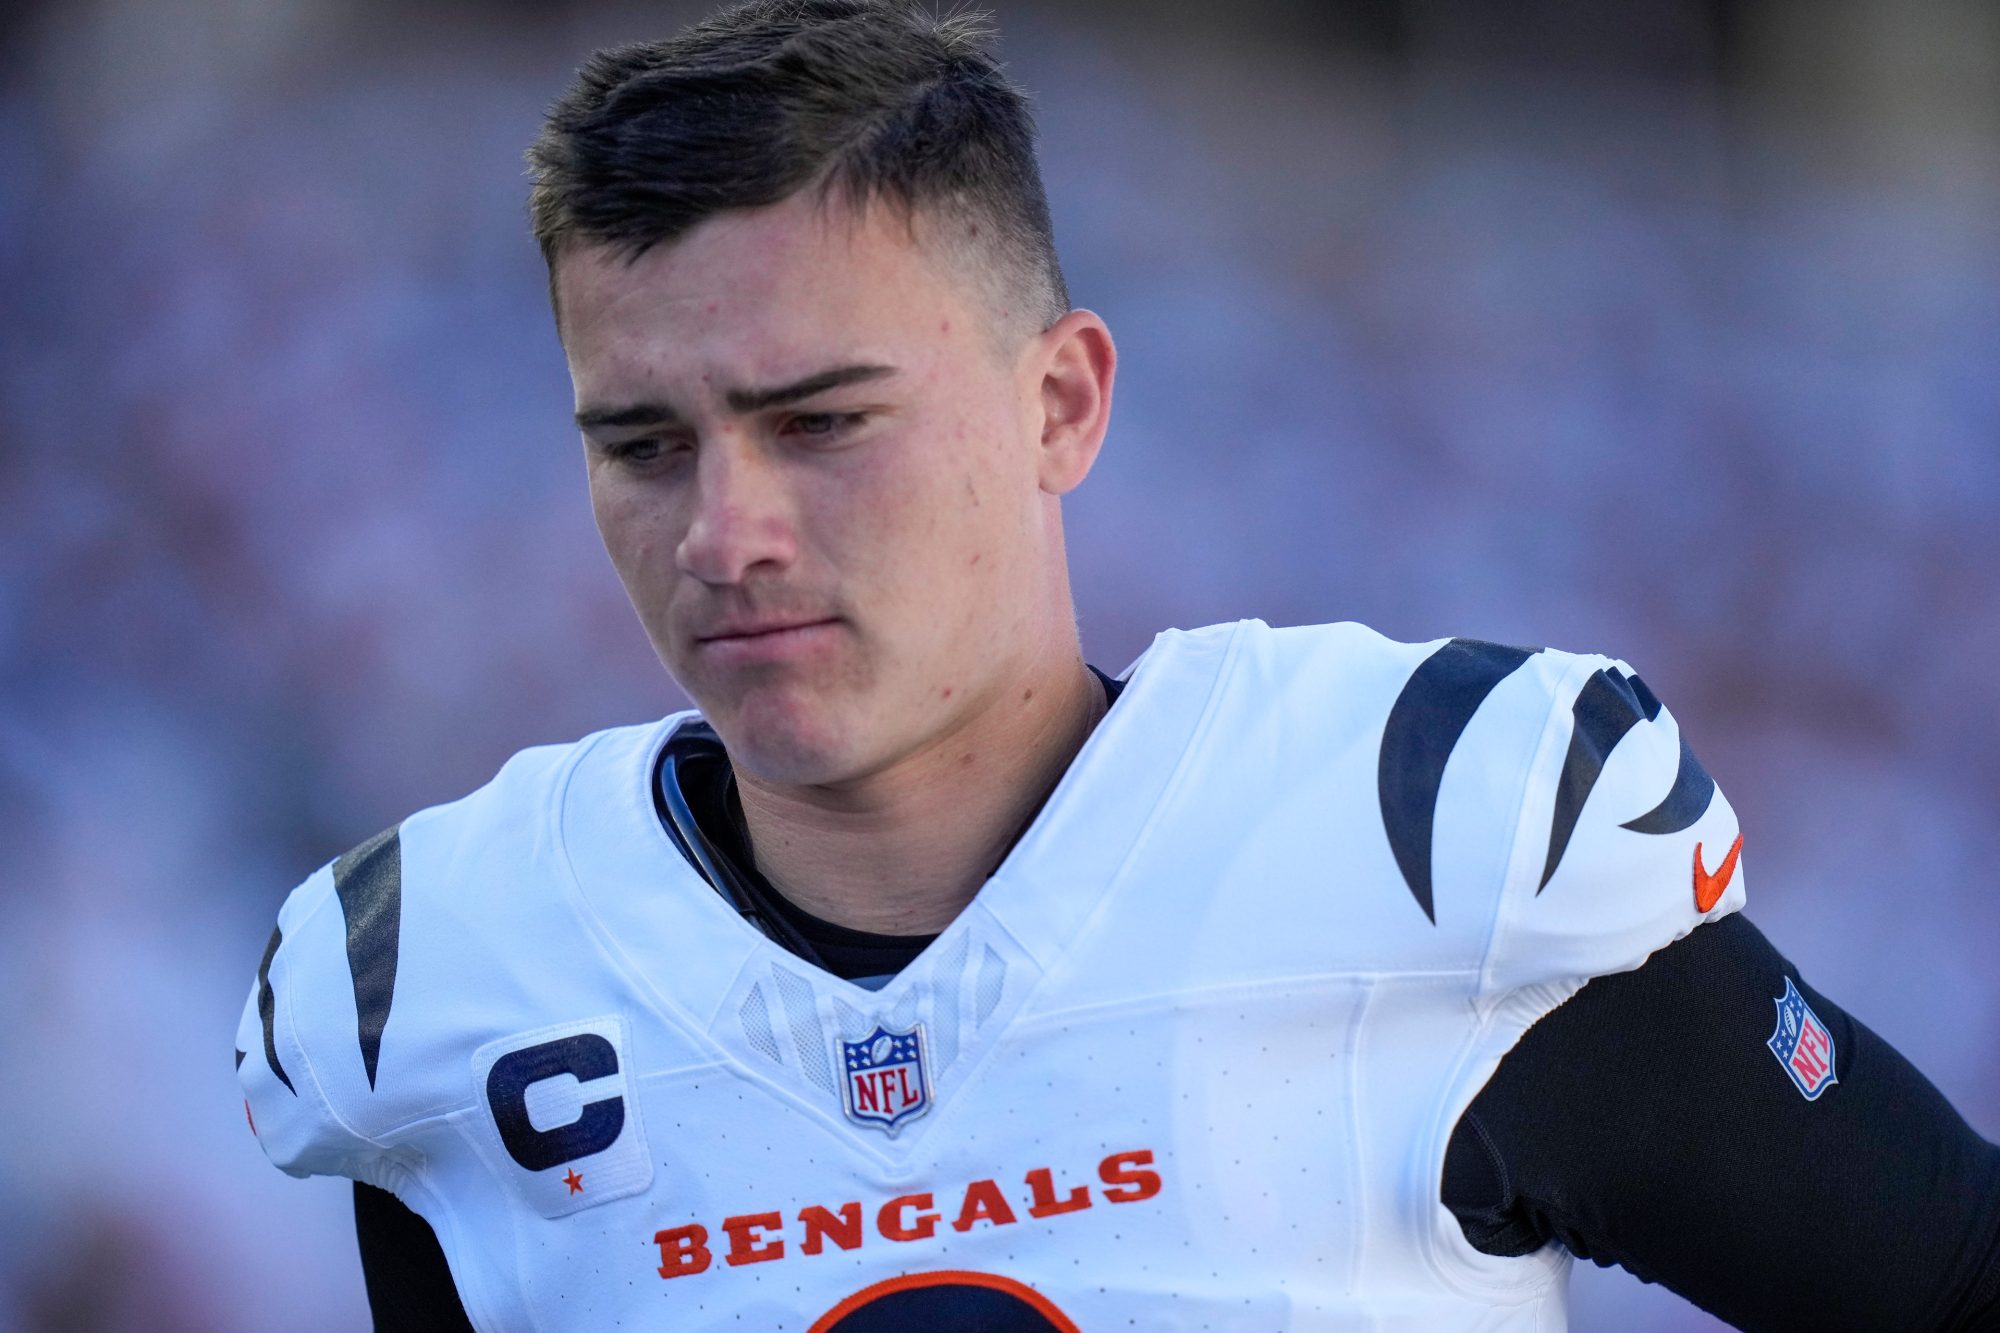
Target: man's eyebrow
{"points": [[636, 414], [758, 400], [741, 401]]}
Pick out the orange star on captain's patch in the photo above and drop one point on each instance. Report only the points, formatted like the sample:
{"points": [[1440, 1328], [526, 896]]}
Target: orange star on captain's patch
{"points": [[1708, 889], [574, 1181]]}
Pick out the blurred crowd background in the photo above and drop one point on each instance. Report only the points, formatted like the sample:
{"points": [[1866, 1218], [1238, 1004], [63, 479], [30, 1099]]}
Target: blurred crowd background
{"points": [[1669, 328]]}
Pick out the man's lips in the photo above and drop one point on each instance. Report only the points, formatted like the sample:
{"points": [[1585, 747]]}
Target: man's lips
{"points": [[765, 641], [760, 629]]}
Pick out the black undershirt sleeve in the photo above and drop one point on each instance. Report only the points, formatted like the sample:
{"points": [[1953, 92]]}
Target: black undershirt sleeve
{"points": [[1646, 1123], [409, 1287]]}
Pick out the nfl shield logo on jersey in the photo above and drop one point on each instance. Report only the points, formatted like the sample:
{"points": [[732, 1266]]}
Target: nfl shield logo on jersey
{"points": [[885, 1083], [1802, 1044]]}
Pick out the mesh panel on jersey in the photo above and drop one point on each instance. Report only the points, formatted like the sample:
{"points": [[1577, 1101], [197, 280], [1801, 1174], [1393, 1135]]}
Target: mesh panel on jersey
{"points": [[853, 1026], [756, 1016], [796, 994], [950, 973], [992, 981]]}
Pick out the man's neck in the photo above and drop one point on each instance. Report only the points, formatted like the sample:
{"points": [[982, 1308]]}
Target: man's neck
{"points": [[904, 851]]}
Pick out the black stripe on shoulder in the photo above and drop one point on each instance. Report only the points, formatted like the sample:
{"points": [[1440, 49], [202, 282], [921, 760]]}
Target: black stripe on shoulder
{"points": [[369, 883], [1685, 802], [1609, 705], [267, 1010], [1424, 725]]}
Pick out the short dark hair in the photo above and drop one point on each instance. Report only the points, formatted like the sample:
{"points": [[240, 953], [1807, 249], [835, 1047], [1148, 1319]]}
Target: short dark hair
{"points": [[865, 99]]}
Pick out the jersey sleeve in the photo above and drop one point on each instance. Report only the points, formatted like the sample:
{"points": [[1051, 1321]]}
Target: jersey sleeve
{"points": [[1623, 843], [288, 1031]]}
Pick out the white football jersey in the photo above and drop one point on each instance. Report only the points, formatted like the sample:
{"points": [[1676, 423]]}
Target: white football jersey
{"points": [[1189, 1060]]}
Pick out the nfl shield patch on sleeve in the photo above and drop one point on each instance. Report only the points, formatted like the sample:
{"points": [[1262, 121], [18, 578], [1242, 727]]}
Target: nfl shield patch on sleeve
{"points": [[1802, 1044]]}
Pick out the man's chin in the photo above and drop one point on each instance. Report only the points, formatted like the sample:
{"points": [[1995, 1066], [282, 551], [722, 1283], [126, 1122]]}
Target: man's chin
{"points": [[774, 737]]}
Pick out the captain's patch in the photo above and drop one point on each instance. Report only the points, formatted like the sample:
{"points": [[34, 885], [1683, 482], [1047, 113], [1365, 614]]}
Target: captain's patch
{"points": [[560, 1101]]}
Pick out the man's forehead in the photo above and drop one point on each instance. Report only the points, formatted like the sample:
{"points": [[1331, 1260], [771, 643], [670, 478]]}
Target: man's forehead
{"points": [[789, 251], [755, 297]]}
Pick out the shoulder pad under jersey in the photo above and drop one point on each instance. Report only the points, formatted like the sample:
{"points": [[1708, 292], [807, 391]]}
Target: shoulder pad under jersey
{"points": [[324, 1078], [1618, 840]]}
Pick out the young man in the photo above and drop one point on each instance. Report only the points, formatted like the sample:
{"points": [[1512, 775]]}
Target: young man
{"points": [[928, 979]]}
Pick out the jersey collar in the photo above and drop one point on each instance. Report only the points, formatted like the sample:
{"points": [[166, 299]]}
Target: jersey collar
{"points": [[655, 914]]}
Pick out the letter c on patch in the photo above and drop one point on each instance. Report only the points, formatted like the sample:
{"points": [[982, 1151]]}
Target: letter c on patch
{"points": [[585, 1056]]}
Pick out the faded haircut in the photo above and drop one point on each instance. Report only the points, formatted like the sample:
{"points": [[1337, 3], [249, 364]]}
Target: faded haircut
{"points": [[863, 101]]}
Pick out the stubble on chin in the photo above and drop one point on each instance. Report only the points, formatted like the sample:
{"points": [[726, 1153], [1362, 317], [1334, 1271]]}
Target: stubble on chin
{"points": [[793, 732], [772, 741]]}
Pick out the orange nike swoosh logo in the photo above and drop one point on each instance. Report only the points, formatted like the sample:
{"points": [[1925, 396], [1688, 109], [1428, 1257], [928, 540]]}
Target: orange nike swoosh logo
{"points": [[1708, 889]]}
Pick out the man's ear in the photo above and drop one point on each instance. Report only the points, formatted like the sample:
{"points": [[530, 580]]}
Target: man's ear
{"points": [[1079, 362]]}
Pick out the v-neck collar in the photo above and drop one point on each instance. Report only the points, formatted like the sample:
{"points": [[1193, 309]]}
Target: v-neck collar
{"points": [[683, 946], [695, 796]]}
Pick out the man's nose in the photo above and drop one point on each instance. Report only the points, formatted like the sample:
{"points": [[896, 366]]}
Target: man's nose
{"points": [[742, 516]]}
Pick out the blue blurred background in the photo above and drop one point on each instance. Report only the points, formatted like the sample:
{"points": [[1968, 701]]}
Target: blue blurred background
{"points": [[1667, 328]]}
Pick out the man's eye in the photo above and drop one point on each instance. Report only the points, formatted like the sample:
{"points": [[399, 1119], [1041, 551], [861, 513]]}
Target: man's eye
{"points": [[824, 423], [643, 450]]}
